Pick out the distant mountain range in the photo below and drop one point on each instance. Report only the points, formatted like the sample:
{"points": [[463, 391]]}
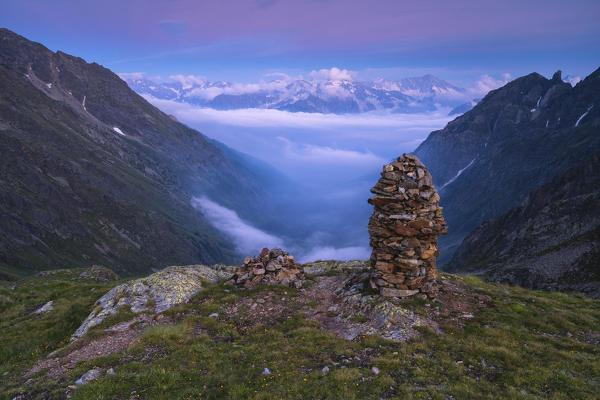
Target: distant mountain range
{"points": [[410, 95], [91, 173], [516, 139]]}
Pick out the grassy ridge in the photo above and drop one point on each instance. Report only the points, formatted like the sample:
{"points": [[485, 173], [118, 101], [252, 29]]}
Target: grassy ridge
{"points": [[527, 345]]}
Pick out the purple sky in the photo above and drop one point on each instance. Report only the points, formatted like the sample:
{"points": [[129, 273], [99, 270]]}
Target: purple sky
{"points": [[244, 39]]}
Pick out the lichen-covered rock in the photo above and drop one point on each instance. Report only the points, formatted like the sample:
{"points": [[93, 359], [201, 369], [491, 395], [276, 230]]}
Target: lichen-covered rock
{"points": [[49, 306], [89, 376], [360, 313], [164, 289], [384, 318]]}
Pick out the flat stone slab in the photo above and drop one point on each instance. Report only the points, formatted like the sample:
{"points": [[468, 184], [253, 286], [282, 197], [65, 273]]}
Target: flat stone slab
{"points": [[392, 292]]}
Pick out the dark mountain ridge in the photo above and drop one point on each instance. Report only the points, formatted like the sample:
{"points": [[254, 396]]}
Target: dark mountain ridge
{"points": [[517, 138], [550, 241], [92, 173]]}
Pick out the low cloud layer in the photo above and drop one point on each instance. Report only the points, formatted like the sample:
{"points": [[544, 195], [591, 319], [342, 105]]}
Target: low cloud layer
{"points": [[486, 83], [309, 153], [333, 159], [247, 239], [253, 117], [132, 75], [187, 81], [312, 148], [573, 80]]}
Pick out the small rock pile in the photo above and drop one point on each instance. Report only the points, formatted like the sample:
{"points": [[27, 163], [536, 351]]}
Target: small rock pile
{"points": [[270, 267], [404, 228]]}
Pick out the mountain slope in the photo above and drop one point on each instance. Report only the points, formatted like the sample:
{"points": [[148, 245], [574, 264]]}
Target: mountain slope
{"points": [[550, 241], [298, 95], [92, 173], [517, 138], [488, 341]]}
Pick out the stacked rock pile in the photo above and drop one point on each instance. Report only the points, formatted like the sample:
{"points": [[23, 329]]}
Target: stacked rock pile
{"points": [[270, 267], [404, 228]]}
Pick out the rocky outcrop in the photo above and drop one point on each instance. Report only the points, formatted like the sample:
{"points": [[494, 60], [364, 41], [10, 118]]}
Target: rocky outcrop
{"points": [[270, 267], [99, 273], [350, 310], [155, 293], [516, 139], [404, 228], [49, 306], [550, 241]]}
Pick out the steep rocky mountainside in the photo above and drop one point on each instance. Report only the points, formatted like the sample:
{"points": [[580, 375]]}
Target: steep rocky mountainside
{"points": [[550, 241], [516, 139], [92, 173]]}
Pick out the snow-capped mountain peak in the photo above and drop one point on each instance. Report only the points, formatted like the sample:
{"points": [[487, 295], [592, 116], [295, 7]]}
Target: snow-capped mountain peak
{"points": [[338, 95]]}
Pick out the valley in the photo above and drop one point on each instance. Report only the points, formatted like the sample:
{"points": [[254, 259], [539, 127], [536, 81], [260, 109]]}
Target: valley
{"points": [[299, 200]]}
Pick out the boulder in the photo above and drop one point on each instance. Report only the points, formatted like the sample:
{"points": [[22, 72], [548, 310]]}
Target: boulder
{"points": [[89, 376], [155, 293]]}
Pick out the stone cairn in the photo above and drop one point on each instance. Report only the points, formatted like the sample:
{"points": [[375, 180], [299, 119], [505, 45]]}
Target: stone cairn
{"points": [[404, 228], [270, 267]]}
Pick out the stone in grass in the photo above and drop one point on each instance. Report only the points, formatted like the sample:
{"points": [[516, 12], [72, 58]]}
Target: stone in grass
{"points": [[49, 306], [375, 370], [89, 376]]}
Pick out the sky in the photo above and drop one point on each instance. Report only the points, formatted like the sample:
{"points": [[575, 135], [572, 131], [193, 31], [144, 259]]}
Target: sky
{"points": [[244, 40]]}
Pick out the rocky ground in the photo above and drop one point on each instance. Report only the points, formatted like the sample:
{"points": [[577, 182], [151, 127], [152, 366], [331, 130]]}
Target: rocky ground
{"points": [[184, 333]]}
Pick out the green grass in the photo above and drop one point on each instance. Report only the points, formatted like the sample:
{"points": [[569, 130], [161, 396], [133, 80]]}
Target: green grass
{"points": [[9, 273], [527, 345], [26, 337]]}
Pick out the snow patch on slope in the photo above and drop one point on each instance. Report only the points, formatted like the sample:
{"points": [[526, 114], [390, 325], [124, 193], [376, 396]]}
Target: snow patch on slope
{"points": [[120, 132], [583, 116], [459, 173]]}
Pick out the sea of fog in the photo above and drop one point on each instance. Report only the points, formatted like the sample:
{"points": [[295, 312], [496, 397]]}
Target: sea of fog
{"points": [[335, 159]]}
